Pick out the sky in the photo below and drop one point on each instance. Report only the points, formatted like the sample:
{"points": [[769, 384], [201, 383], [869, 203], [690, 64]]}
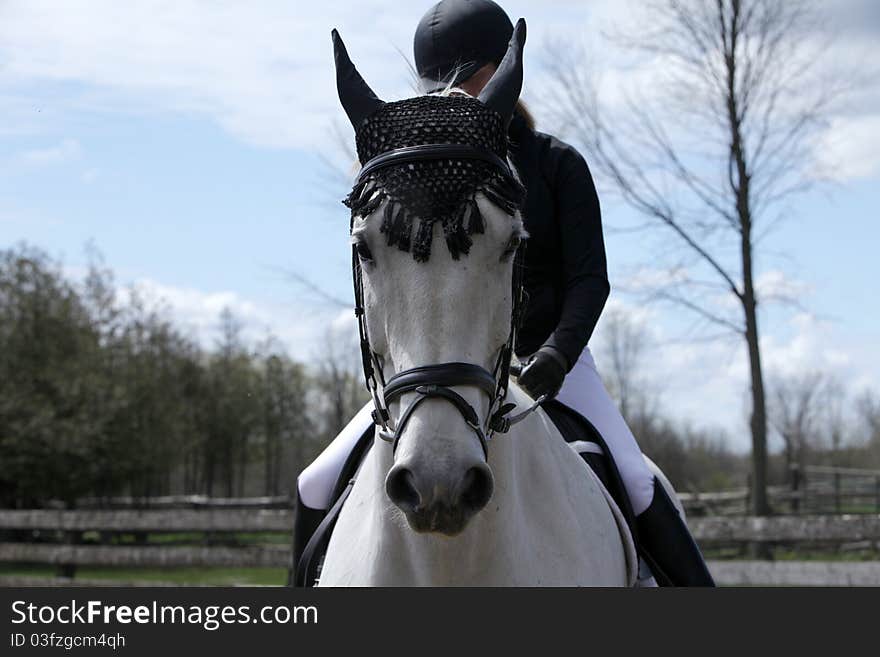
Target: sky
{"points": [[197, 146]]}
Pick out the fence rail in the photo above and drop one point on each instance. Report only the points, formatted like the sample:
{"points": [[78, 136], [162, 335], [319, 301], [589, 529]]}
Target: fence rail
{"points": [[812, 489], [62, 539], [796, 573], [786, 529], [178, 502], [71, 539], [153, 556], [181, 520]]}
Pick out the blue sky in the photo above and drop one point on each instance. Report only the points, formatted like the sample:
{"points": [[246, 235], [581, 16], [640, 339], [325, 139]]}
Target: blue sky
{"points": [[183, 139]]}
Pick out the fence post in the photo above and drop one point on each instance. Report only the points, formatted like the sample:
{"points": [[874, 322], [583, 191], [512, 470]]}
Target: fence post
{"points": [[748, 509], [877, 492], [836, 491], [805, 491], [68, 570]]}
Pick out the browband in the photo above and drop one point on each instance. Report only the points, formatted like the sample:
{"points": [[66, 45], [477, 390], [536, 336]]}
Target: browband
{"points": [[443, 374], [430, 152]]}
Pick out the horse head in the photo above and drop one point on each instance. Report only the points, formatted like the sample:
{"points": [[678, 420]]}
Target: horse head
{"points": [[437, 316]]}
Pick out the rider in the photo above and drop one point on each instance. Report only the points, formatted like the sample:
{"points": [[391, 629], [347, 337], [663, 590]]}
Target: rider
{"points": [[565, 278]]}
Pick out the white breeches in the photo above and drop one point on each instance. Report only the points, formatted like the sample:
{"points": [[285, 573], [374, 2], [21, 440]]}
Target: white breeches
{"points": [[582, 390], [316, 482]]}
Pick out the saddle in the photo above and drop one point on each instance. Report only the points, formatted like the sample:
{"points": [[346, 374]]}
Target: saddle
{"points": [[313, 527]]}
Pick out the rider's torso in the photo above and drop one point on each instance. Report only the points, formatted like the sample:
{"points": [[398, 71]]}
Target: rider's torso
{"points": [[565, 270]]}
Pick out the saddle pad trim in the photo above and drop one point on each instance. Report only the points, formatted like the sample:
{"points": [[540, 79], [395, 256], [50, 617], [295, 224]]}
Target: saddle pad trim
{"points": [[586, 447]]}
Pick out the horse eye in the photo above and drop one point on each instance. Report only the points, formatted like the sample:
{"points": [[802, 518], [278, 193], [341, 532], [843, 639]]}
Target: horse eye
{"points": [[363, 251]]}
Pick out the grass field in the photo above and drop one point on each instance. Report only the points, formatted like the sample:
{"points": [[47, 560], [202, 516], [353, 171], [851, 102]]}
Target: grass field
{"points": [[801, 554], [192, 576]]}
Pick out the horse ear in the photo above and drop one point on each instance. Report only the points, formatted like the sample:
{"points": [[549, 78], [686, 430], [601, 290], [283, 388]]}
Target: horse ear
{"points": [[502, 91], [357, 99]]}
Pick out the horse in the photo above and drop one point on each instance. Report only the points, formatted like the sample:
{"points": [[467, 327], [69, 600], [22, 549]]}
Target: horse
{"points": [[455, 501]]}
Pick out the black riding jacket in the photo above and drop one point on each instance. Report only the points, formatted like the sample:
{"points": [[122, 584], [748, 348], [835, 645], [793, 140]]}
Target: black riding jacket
{"points": [[565, 275]]}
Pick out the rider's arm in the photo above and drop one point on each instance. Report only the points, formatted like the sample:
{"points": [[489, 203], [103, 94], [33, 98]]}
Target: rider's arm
{"points": [[585, 275]]}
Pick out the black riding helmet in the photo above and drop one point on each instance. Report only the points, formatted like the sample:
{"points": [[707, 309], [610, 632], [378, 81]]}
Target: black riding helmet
{"points": [[455, 38]]}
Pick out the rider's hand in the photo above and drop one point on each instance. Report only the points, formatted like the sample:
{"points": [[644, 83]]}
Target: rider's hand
{"points": [[544, 373]]}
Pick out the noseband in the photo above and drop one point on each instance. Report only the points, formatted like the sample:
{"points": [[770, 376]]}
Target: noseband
{"points": [[437, 380]]}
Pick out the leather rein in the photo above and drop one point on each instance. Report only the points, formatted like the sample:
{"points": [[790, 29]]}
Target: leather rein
{"points": [[437, 380]]}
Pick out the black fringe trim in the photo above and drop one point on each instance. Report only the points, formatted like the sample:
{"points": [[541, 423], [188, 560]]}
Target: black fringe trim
{"points": [[505, 192]]}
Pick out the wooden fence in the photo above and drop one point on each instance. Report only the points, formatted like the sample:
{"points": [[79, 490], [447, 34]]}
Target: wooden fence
{"points": [[58, 538], [177, 502], [814, 489], [69, 539]]}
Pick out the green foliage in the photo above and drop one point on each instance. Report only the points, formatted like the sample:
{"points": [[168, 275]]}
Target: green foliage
{"points": [[50, 380], [693, 460], [102, 397]]}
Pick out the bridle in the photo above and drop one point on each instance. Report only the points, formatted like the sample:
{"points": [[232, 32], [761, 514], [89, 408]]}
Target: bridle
{"points": [[436, 381]]}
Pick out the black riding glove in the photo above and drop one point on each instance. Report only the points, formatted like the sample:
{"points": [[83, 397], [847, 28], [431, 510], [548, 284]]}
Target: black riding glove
{"points": [[544, 373]]}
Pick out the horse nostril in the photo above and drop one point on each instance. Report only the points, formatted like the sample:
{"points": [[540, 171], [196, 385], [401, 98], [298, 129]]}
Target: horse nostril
{"points": [[477, 487], [401, 488]]}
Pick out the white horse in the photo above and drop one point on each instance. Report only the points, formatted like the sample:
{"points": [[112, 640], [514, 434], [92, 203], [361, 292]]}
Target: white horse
{"points": [[437, 511], [548, 522]]}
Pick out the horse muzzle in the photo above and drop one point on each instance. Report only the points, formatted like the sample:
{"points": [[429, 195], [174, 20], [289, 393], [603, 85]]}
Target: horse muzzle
{"points": [[435, 503]]}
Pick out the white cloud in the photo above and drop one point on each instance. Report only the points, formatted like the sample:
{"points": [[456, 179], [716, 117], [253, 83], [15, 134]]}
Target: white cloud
{"points": [[344, 322], [842, 53], [197, 313], [647, 279], [850, 148], [811, 346], [774, 284], [707, 383], [263, 71], [640, 315]]}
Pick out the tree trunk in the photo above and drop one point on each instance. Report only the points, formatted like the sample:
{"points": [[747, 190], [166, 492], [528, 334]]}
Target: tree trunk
{"points": [[741, 186], [758, 420]]}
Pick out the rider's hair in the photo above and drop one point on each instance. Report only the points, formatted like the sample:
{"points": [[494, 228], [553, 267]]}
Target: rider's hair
{"points": [[523, 109], [521, 106]]}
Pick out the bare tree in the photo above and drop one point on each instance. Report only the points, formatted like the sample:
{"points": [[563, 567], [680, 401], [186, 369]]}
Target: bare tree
{"points": [[340, 380], [795, 413], [868, 418], [833, 418], [712, 154], [623, 346], [868, 408]]}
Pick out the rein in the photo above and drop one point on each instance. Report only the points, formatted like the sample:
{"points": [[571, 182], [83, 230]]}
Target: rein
{"points": [[437, 380]]}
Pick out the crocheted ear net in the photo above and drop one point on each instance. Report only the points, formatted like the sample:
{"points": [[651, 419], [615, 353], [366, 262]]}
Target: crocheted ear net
{"points": [[436, 190]]}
